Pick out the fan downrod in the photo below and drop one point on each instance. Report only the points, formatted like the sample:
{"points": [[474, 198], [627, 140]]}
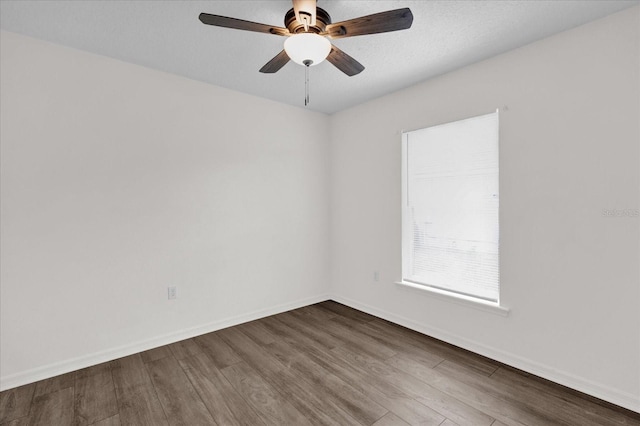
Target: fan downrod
{"points": [[294, 26]]}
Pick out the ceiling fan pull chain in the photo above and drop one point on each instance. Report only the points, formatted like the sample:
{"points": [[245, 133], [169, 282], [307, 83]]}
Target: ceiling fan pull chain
{"points": [[306, 84]]}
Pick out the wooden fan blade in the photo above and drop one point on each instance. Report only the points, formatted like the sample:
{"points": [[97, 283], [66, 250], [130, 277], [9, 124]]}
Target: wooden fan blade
{"points": [[391, 20], [305, 12], [344, 62], [279, 61], [239, 24]]}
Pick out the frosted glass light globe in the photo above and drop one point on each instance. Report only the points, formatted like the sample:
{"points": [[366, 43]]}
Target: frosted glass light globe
{"points": [[307, 47]]}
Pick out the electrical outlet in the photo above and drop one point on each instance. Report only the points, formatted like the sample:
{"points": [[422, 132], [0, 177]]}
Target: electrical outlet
{"points": [[376, 276], [172, 293]]}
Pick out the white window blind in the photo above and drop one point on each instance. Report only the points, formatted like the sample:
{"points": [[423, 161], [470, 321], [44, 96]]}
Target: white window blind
{"points": [[450, 219]]}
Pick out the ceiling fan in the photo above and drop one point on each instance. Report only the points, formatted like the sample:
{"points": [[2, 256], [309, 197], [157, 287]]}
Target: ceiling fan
{"points": [[309, 29]]}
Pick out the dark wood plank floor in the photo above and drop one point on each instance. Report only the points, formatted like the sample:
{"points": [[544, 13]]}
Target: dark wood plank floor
{"points": [[324, 364]]}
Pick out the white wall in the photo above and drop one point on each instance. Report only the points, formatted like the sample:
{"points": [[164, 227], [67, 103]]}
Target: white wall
{"points": [[119, 181], [570, 138]]}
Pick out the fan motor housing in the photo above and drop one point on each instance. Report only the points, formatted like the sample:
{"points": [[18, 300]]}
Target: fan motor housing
{"points": [[322, 20]]}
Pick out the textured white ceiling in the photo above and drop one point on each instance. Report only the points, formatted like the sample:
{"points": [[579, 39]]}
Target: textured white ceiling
{"points": [[167, 35]]}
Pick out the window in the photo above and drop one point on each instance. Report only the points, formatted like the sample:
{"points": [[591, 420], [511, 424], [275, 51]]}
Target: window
{"points": [[450, 224]]}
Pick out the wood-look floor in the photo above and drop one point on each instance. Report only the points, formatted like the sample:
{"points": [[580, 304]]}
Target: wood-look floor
{"points": [[324, 364]]}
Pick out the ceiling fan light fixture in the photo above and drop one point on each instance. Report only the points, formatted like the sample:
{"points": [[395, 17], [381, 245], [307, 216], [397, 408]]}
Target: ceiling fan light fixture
{"points": [[307, 48]]}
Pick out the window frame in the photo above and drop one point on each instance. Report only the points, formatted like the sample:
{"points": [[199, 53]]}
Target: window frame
{"points": [[407, 234]]}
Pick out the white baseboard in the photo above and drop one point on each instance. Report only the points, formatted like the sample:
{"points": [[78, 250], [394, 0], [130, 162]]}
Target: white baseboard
{"points": [[606, 393], [52, 370]]}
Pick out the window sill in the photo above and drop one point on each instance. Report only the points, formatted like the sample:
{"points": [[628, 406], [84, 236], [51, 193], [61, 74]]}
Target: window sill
{"points": [[458, 299]]}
